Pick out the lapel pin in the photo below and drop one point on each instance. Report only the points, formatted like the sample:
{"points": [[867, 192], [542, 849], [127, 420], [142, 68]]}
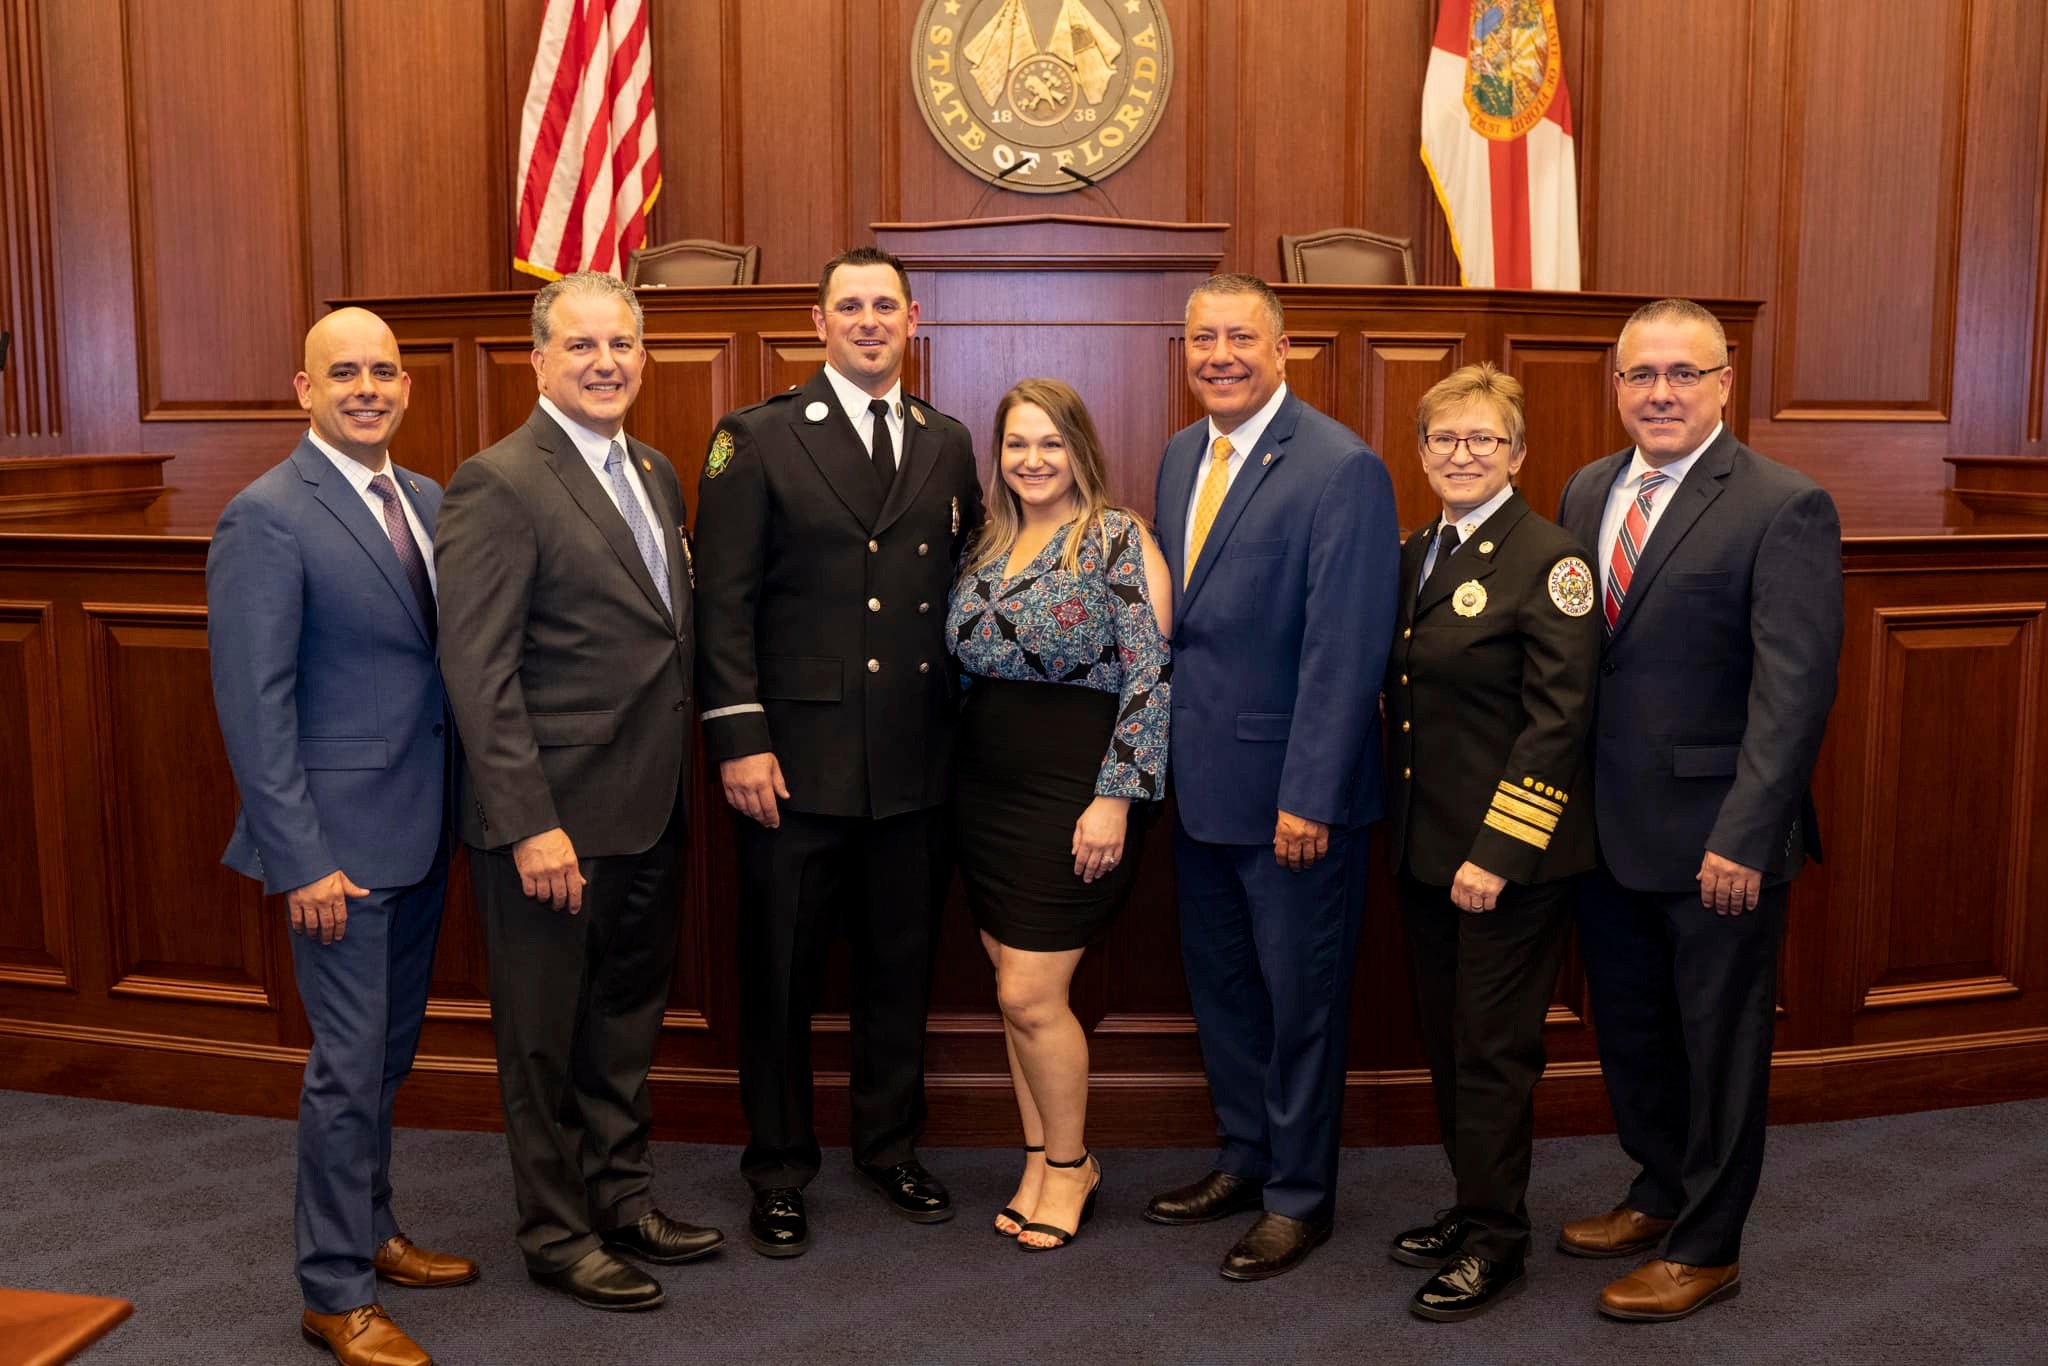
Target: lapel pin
{"points": [[1268, 460], [816, 411], [412, 483], [917, 413], [647, 465], [1486, 547]]}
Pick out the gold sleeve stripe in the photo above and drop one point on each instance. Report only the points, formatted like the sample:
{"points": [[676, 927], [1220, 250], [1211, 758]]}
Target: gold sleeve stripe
{"points": [[1523, 812], [1532, 797], [1515, 829]]}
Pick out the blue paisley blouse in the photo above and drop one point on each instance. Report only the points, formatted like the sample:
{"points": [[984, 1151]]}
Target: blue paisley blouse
{"points": [[1094, 628]]}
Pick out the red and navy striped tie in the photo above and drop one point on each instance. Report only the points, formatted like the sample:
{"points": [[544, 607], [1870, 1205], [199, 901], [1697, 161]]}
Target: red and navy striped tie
{"points": [[1628, 546]]}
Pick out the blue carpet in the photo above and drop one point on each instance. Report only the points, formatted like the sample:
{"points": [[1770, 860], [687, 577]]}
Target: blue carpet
{"points": [[1908, 1239]]}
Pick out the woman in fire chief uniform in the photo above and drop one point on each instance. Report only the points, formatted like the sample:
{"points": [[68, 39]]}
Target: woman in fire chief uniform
{"points": [[1489, 698]]}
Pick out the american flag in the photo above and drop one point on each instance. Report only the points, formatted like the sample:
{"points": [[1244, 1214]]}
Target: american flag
{"points": [[589, 164]]}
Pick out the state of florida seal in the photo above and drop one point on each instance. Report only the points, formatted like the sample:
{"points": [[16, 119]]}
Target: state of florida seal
{"points": [[1513, 65], [1032, 90]]}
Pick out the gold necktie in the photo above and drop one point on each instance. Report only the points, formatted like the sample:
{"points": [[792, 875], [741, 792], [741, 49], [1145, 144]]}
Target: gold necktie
{"points": [[1214, 484]]}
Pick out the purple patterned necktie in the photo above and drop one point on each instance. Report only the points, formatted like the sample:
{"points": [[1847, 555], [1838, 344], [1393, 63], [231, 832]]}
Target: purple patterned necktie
{"points": [[408, 550]]}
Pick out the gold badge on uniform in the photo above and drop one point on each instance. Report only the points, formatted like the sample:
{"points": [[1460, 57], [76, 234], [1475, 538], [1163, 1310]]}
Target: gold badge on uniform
{"points": [[1469, 599], [721, 454], [916, 412], [1571, 586]]}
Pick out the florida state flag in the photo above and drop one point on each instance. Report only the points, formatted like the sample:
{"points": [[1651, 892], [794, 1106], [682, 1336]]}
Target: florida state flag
{"points": [[1497, 139], [589, 166]]}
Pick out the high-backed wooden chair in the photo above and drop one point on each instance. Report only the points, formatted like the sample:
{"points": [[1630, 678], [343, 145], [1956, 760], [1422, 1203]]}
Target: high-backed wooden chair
{"points": [[694, 261], [1346, 256]]}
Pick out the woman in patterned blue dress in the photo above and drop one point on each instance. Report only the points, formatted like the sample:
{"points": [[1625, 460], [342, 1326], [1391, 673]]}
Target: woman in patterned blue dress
{"points": [[1063, 647]]}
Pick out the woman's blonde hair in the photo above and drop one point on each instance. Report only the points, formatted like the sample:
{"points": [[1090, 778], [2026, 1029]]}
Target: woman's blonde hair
{"points": [[1468, 385], [1005, 521]]}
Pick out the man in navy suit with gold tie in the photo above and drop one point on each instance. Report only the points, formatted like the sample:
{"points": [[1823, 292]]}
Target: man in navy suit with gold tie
{"points": [[1278, 527], [321, 633], [1721, 578]]}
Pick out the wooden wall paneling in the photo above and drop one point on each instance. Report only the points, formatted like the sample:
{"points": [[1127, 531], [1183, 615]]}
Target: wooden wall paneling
{"points": [[1671, 93], [35, 904], [688, 384], [1938, 928], [425, 192], [1893, 137], [152, 695], [1394, 191], [31, 402], [1312, 368], [432, 429], [1286, 146], [1399, 369], [461, 984], [697, 103], [506, 389], [2004, 171], [1565, 429], [792, 75], [787, 359], [223, 290]]}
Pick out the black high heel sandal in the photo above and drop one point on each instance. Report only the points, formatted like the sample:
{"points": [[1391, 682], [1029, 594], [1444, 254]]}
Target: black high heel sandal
{"points": [[1006, 1212], [1064, 1235]]}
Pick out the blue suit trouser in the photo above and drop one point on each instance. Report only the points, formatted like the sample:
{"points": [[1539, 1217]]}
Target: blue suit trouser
{"points": [[1684, 1001], [365, 998], [1269, 956]]}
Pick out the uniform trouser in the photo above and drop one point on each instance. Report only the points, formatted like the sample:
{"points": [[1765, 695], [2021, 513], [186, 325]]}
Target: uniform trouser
{"points": [[885, 881], [1683, 1004], [365, 998], [1483, 983], [1269, 956], [576, 1005]]}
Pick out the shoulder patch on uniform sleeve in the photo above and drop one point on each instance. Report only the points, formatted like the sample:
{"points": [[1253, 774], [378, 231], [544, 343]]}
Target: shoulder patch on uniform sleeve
{"points": [[721, 456], [1571, 586]]}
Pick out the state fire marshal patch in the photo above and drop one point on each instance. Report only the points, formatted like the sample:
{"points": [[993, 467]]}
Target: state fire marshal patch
{"points": [[1571, 586], [1043, 95], [721, 454]]}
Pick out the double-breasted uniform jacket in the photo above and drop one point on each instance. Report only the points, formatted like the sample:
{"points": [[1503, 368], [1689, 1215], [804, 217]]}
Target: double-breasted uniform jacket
{"points": [[1489, 700], [821, 600]]}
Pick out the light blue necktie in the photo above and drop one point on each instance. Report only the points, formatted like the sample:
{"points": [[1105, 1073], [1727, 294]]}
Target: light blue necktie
{"points": [[636, 522]]}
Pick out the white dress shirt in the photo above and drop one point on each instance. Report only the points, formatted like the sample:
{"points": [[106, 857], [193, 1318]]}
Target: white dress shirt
{"points": [[595, 449], [359, 477], [1241, 443], [1468, 527], [855, 401], [1629, 484]]}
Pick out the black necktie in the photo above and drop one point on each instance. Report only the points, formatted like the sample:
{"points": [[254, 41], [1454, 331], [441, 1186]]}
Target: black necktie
{"points": [[1446, 543], [883, 451]]}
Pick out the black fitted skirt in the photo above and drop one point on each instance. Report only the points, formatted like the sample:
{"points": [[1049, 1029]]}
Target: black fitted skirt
{"points": [[1028, 759]]}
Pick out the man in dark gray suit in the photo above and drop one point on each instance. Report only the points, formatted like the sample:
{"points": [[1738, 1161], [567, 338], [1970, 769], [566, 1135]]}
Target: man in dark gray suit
{"points": [[1721, 577], [566, 645]]}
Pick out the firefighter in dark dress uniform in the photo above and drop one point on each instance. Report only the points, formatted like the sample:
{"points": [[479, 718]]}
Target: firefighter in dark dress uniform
{"points": [[1489, 699], [829, 527]]}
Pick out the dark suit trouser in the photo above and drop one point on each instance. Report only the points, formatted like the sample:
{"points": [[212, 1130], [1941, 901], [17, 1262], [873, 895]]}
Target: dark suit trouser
{"points": [[576, 1004], [1482, 987], [1269, 957], [1683, 1004], [885, 880], [365, 997]]}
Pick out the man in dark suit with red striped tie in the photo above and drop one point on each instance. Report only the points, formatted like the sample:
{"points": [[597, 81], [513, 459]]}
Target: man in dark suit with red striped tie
{"points": [[1721, 577]]}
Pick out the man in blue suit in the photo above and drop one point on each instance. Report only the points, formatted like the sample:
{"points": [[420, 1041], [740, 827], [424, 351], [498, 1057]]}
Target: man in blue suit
{"points": [[321, 630], [1278, 527]]}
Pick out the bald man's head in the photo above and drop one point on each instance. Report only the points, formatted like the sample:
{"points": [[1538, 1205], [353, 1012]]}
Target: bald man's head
{"points": [[353, 385]]}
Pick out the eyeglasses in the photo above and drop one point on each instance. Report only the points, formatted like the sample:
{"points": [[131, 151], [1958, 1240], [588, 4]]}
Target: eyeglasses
{"points": [[1678, 376], [1480, 444]]}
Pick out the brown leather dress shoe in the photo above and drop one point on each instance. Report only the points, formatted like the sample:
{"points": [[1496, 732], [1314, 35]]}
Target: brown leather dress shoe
{"points": [[1276, 1244], [1659, 1290], [364, 1336], [401, 1262], [1216, 1196], [1621, 1232]]}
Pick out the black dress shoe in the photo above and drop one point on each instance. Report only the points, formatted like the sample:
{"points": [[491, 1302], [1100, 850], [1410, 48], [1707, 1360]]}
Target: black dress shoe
{"points": [[1432, 1245], [913, 1192], [777, 1227], [602, 1281], [655, 1237], [1216, 1196], [1274, 1246], [1467, 1287]]}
